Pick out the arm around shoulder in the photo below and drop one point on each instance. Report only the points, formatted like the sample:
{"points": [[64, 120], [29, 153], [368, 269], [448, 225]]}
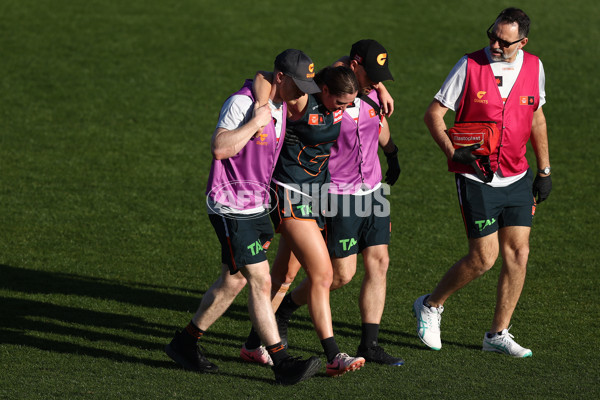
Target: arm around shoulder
{"points": [[386, 99], [261, 86]]}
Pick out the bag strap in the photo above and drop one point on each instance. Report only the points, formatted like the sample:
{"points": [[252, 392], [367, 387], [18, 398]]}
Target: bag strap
{"points": [[370, 102]]}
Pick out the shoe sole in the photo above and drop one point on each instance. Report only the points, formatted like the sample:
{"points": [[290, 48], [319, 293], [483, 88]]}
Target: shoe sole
{"points": [[183, 363], [492, 350], [312, 369], [356, 365], [422, 340]]}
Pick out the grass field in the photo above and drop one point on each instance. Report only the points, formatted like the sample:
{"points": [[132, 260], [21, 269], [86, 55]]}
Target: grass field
{"points": [[106, 112]]}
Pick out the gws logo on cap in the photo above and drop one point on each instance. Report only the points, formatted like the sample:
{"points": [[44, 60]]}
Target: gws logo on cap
{"points": [[311, 69], [479, 98], [381, 58]]}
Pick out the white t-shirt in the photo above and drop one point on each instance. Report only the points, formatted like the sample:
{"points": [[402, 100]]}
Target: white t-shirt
{"points": [[237, 111], [450, 95], [355, 110]]}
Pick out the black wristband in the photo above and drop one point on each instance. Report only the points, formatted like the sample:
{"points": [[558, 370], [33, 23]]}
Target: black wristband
{"points": [[394, 153]]}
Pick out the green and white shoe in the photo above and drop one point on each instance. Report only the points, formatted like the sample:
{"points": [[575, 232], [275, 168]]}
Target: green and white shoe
{"points": [[504, 342], [429, 320]]}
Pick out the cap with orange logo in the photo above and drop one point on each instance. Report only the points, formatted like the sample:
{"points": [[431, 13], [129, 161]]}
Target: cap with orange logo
{"points": [[297, 65], [374, 58]]}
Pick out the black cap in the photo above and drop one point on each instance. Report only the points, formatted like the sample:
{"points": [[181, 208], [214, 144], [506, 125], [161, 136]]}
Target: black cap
{"points": [[297, 65], [374, 58]]}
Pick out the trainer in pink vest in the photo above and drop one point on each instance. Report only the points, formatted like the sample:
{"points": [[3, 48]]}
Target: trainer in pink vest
{"points": [[250, 170], [354, 162], [481, 101]]}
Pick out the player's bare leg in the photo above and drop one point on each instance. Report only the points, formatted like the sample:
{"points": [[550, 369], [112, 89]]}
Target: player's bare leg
{"points": [[514, 243], [373, 290], [306, 241], [428, 310], [259, 301], [285, 268], [284, 271], [372, 302], [344, 270], [483, 253], [183, 349], [218, 298], [309, 247]]}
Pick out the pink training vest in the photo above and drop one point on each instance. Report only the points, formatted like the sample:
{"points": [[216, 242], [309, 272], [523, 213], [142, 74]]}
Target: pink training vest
{"points": [[242, 181], [481, 101], [354, 162]]}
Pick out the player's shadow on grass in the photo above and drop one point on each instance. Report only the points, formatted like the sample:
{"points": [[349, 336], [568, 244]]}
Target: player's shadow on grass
{"points": [[139, 294], [44, 282], [59, 328]]}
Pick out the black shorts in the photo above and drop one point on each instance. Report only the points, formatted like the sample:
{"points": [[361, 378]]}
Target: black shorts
{"points": [[244, 241], [293, 205], [485, 209], [360, 222]]}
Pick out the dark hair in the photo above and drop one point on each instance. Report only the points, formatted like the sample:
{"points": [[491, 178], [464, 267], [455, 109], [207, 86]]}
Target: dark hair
{"points": [[339, 80], [511, 15]]}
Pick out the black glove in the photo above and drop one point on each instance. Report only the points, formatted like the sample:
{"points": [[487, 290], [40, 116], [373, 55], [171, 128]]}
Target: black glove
{"points": [[542, 185], [290, 139], [465, 155], [393, 171]]}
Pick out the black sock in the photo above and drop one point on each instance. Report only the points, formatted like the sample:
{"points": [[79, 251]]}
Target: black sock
{"points": [[277, 353], [253, 341], [287, 307], [370, 332], [426, 303], [192, 333], [330, 347]]}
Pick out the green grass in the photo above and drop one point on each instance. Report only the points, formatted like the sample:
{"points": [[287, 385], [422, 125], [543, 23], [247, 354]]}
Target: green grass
{"points": [[106, 112]]}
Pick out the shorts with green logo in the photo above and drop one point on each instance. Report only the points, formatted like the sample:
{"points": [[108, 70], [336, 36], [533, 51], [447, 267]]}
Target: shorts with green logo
{"points": [[360, 222], [244, 240], [290, 204], [485, 209]]}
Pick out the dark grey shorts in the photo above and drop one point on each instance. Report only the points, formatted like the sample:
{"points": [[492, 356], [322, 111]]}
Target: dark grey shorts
{"points": [[360, 222], [485, 209], [243, 241]]}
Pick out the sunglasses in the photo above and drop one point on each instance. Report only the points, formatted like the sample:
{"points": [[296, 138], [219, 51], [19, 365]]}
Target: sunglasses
{"points": [[503, 43]]}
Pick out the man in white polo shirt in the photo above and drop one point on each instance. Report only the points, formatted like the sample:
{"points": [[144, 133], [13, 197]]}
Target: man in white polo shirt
{"points": [[503, 84]]}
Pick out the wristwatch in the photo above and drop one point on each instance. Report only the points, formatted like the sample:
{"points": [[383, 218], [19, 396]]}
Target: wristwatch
{"points": [[545, 171]]}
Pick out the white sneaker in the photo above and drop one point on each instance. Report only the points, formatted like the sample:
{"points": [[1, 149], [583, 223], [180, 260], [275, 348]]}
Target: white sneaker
{"points": [[504, 343], [428, 323]]}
